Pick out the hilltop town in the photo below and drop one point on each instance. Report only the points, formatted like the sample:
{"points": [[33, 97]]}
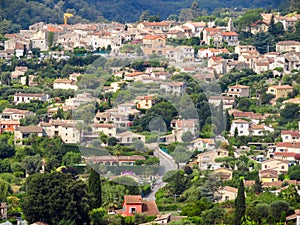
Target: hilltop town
{"points": [[152, 122]]}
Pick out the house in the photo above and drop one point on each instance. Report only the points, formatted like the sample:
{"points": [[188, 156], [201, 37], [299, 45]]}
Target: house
{"points": [[231, 38], [206, 160], [67, 130], [288, 22], [128, 137], [245, 50], [134, 76], [109, 160], [228, 102], [80, 99], [160, 75], [133, 204], [164, 219], [154, 44], [291, 61], [180, 54], [255, 118], [202, 144], [281, 91], [163, 26], [8, 125], [257, 27], [227, 193], [268, 175], [295, 218], [217, 64], [181, 126], [287, 46], [242, 127], [31, 80], [28, 97], [65, 84], [15, 114], [260, 129], [281, 166], [144, 102], [212, 36], [176, 34], [210, 52], [224, 173], [238, 91], [24, 132], [108, 129], [288, 156], [288, 147], [196, 27], [290, 136], [173, 87]]}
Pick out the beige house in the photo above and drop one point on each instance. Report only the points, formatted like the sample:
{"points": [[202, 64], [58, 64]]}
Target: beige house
{"points": [[281, 91], [281, 166], [163, 26], [202, 144], [67, 130], [109, 129], [206, 160], [287, 46], [25, 132], [238, 91], [227, 193], [224, 173], [15, 114], [154, 44], [128, 137]]}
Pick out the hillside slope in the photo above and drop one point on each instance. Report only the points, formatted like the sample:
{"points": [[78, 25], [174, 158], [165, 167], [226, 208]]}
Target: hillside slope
{"points": [[21, 13]]}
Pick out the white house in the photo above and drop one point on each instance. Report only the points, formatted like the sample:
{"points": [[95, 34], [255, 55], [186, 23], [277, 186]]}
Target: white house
{"points": [[15, 114], [27, 97], [65, 84], [242, 127]]}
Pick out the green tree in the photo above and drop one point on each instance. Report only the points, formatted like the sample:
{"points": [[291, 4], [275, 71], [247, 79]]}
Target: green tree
{"points": [[71, 158], [277, 207], [53, 197], [257, 187], [187, 137], [240, 204], [50, 39], [95, 188], [290, 112], [195, 10]]}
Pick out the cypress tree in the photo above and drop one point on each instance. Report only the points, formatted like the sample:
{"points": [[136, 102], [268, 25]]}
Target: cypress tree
{"points": [[95, 188], [240, 204]]}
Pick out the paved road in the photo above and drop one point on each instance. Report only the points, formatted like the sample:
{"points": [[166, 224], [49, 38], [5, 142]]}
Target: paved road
{"points": [[166, 164]]}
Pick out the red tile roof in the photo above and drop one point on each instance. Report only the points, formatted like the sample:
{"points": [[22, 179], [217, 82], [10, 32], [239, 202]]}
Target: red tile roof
{"points": [[133, 199], [150, 208], [229, 34]]}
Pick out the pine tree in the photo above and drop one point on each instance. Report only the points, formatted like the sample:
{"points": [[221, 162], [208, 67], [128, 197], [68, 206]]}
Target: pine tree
{"points": [[272, 28], [95, 188], [257, 186], [240, 204]]}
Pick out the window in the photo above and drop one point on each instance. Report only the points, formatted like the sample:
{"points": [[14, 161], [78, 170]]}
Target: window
{"points": [[226, 198], [282, 167], [132, 210]]}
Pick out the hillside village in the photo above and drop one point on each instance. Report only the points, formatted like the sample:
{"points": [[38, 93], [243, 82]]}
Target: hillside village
{"points": [[137, 102]]}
